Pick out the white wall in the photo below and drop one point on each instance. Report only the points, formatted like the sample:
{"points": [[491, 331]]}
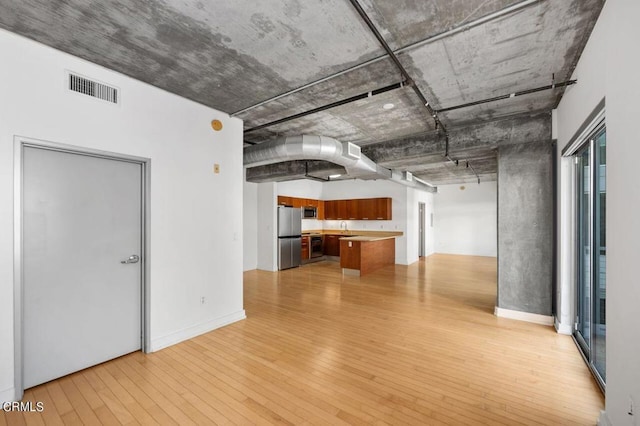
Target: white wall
{"points": [[196, 221], [466, 220], [250, 225], [607, 69], [267, 226]]}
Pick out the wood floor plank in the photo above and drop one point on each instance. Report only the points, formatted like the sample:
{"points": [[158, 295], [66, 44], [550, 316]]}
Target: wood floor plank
{"points": [[58, 397], [111, 401], [49, 414], [191, 404], [410, 345], [216, 389], [161, 395], [84, 411]]}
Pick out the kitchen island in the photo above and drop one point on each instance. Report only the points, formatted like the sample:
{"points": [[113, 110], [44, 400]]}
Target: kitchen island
{"points": [[361, 255]]}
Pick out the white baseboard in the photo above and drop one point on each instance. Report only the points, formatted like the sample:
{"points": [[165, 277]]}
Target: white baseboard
{"points": [[563, 328], [524, 316], [8, 395], [195, 330], [604, 420]]}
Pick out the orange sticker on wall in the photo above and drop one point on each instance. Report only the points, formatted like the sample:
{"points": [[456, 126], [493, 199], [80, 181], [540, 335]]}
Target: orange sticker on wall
{"points": [[216, 125]]}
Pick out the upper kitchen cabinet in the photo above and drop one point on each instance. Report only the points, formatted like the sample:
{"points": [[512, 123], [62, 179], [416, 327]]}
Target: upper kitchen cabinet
{"points": [[382, 209], [360, 209], [285, 201], [320, 210], [336, 209], [366, 208]]}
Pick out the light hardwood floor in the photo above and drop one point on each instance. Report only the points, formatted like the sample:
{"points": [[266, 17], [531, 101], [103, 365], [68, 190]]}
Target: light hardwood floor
{"points": [[403, 345]]}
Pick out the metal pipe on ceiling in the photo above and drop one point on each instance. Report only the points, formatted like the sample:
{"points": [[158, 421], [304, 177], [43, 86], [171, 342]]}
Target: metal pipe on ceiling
{"points": [[469, 166], [397, 62], [328, 106], [509, 95], [464, 27], [485, 19]]}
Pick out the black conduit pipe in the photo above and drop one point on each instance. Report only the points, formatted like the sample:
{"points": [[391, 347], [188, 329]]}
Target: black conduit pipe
{"points": [[331, 105], [510, 95], [399, 65]]}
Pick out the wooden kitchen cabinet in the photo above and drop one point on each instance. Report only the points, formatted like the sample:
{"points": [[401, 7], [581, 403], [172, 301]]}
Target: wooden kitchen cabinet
{"points": [[305, 252], [285, 201], [370, 209], [356, 209], [382, 209], [320, 210], [366, 208], [342, 209], [330, 210], [353, 209], [332, 245]]}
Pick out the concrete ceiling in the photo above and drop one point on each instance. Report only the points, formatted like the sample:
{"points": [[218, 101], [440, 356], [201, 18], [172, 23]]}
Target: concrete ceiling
{"points": [[235, 55]]}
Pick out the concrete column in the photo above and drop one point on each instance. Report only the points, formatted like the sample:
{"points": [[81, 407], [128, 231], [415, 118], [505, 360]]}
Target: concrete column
{"points": [[525, 227]]}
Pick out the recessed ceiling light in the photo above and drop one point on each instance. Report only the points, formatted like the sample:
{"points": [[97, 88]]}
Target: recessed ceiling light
{"points": [[388, 106], [334, 176]]}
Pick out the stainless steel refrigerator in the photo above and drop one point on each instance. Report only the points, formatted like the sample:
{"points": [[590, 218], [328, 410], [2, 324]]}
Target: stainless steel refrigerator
{"points": [[289, 237]]}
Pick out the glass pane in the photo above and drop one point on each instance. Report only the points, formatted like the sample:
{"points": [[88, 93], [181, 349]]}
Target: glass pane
{"points": [[600, 259], [583, 210]]}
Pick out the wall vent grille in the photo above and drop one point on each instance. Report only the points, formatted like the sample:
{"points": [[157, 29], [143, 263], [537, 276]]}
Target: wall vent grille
{"points": [[92, 88]]}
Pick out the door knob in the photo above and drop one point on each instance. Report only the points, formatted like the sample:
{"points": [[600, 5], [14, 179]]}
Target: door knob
{"points": [[132, 259]]}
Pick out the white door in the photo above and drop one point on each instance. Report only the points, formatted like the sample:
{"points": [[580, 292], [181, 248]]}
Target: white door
{"points": [[82, 216]]}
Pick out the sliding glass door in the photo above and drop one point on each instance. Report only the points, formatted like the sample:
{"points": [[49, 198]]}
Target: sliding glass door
{"points": [[591, 251]]}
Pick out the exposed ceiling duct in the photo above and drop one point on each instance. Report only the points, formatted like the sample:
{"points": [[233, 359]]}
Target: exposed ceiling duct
{"points": [[311, 147]]}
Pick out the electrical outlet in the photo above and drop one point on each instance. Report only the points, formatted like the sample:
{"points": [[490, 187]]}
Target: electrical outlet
{"points": [[216, 168], [202, 300]]}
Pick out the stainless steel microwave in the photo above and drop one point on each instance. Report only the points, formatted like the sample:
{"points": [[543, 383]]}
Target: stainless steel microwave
{"points": [[309, 212]]}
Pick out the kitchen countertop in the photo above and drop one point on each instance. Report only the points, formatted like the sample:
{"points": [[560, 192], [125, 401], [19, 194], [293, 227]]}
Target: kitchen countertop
{"points": [[365, 238], [354, 233]]}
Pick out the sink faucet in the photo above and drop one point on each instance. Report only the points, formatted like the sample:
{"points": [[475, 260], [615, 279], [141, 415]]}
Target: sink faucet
{"points": [[345, 226]]}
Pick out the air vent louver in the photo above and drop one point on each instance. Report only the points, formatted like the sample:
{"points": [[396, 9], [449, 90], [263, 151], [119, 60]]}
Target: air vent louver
{"points": [[351, 150], [92, 88]]}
